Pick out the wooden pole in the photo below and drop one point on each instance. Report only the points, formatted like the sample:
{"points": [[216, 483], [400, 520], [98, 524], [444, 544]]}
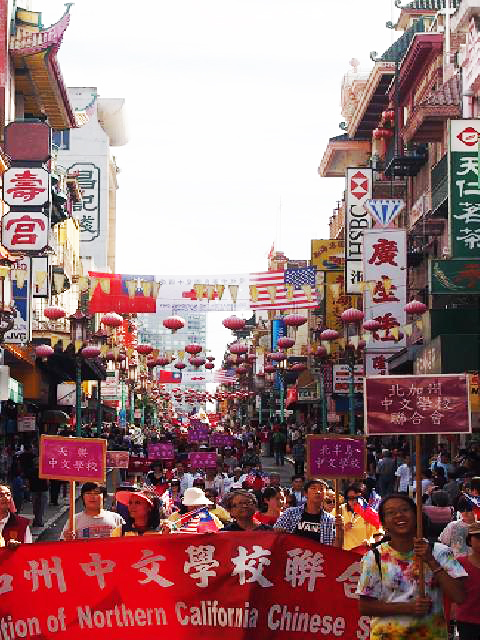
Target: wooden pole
{"points": [[71, 515], [418, 482], [337, 497]]}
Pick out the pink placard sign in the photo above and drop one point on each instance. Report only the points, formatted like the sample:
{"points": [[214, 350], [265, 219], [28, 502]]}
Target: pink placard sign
{"points": [[117, 459], [161, 451], [336, 456], [202, 459], [193, 437], [80, 459], [417, 404], [221, 440]]}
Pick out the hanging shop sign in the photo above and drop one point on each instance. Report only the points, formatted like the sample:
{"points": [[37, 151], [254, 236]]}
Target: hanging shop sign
{"points": [[385, 296], [117, 459], [464, 191], [25, 231], [384, 211], [21, 332], [417, 404], [342, 375], [336, 456], [80, 459], [26, 423], [40, 277], [376, 363], [328, 255], [455, 276], [357, 220], [26, 187]]}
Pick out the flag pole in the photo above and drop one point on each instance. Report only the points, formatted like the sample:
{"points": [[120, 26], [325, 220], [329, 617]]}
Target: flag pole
{"points": [[418, 482], [71, 514]]}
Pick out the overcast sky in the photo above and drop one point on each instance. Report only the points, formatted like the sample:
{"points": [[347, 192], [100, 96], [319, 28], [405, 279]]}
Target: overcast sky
{"points": [[230, 104]]}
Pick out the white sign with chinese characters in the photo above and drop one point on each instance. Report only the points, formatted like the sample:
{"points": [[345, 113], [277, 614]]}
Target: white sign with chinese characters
{"points": [[342, 375], [384, 299], [25, 231], [357, 220], [26, 186]]}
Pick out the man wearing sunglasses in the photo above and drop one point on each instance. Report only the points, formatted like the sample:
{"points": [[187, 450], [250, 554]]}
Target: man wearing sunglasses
{"points": [[311, 520]]}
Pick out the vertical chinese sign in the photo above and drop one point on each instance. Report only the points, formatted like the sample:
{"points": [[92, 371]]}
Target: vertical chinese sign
{"points": [[88, 211], [464, 192], [417, 404], [336, 302], [385, 261], [357, 220]]}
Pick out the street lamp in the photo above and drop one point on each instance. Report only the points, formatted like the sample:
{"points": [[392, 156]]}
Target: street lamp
{"points": [[348, 317], [78, 336], [100, 338]]}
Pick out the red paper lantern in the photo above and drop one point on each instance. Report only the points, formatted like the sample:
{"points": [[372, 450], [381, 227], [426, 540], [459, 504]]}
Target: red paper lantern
{"points": [[329, 334], [211, 358], [193, 348], [269, 368], [372, 325], [209, 365], [112, 320], [352, 316], [234, 323], [238, 348], [115, 357], [415, 307], [196, 362], [174, 323], [294, 320], [144, 349], [377, 134], [162, 361], [151, 363], [321, 351], [241, 370], [43, 351], [260, 374], [90, 351], [285, 343], [251, 358], [277, 356], [54, 312], [179, 365]]}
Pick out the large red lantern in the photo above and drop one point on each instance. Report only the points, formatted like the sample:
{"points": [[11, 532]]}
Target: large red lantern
{"points": [[321, 351], [144, 349], [234, 323], [112, 320], [260, 374], [285, 343], [151, 363], [179, 365], [196, 362], [352, 316], [238, 348], [294, 320], [162, 361], [44, 351], [269, 368], [415, 307], [209, 365], [211, 358], [329, 334], [193, 348], [372, 325], [54, 312], [241, 370], [90, 351], [277, 356], [115, 357], [174, 323]]}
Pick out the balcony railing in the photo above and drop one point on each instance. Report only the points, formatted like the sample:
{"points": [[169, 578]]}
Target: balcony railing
{"points": [[404, 162], [439, 179]]}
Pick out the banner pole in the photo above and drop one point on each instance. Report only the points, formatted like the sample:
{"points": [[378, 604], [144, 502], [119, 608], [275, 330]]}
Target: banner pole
{"points": [[71, 515], [337, 497], [418, 482]]}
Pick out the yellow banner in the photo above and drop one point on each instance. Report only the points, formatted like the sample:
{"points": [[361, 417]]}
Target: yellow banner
{"points": [[335, 304], [474, 391], [328, 255]]}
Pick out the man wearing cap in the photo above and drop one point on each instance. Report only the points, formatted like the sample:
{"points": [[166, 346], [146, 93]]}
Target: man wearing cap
{"points": [[94, 521], [12, 526]]}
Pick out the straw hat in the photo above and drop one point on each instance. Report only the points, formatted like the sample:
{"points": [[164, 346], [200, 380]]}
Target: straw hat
{"points": [[195, 497]]}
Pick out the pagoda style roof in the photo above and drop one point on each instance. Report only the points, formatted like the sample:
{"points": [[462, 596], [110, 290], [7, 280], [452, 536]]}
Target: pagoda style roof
{"points": [[343, 152], [427, 8], [37, 72]]}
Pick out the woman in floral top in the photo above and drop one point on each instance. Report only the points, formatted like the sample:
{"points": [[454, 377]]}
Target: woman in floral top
{"points": [[388, 585]]}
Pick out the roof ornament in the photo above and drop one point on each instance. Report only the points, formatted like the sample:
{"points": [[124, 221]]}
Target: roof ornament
{"points": [[374, 57], [354, 63]]}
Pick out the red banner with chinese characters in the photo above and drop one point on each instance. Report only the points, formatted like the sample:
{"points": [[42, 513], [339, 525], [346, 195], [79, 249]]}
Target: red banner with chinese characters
{"points": [[416, 404], [250, 585]]}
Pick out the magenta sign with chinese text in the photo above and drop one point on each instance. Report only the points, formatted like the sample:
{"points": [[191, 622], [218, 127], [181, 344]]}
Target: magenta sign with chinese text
{"points": [[416, 404], [81, 459], [221, 440], [202, 460], [161, 451], [335, 456], [117, 459]]}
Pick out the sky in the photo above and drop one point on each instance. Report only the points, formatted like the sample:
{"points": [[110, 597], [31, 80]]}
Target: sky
{"points": [[230, 105]]}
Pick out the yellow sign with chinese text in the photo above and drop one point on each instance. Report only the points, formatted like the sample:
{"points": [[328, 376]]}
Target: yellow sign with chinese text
{"points": [[474, 391], [336, 302], [328, 255]]}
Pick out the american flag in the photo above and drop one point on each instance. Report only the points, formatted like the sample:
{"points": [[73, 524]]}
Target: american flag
{"points": [[225, 376], [475, 500], [290, 289]]}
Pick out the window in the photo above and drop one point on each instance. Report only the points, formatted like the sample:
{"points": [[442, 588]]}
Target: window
{"points": [[61, 139]]}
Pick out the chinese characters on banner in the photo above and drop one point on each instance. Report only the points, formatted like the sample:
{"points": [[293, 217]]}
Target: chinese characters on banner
{"points": [[357, 220], [202, 460], [88, 211], [161, 451], [117, 459], [341, 378], [417, 404], [336, 456], [328, 255], [464, 209], [81, 459], [183, 586]]}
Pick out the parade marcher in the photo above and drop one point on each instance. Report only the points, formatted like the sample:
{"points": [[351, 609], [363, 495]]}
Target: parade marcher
{"points": [[357, 531], [298, 482], [242, 506], [385, 470], [468, 612], [274, 500], [388, 584], [455, 533], [13, 528], [94, 521], [195, 503], [298, 454], [156, 477], [215, 508], [403, 474], [186, 479], [329, 502], [144, 514], [439, 514], [311, 520]]}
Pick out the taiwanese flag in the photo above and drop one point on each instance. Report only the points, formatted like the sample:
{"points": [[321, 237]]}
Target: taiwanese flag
{"points": [[169, 377], [367, 512], [124, 293], [199, 521]]}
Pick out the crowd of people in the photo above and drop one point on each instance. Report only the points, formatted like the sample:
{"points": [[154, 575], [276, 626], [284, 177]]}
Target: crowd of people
{"points": [[238, 495]]}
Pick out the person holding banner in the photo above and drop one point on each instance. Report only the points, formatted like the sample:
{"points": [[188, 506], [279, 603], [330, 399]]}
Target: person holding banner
{"points": [[389, 582], [144, 515], [94, 521], [242, 505]]}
